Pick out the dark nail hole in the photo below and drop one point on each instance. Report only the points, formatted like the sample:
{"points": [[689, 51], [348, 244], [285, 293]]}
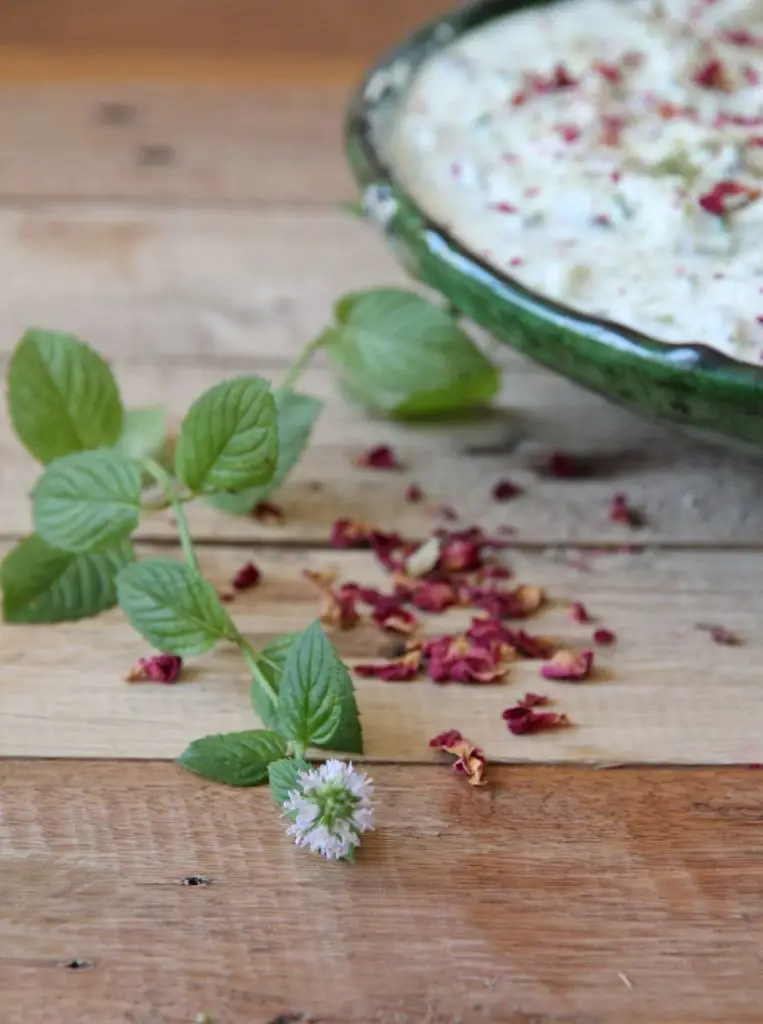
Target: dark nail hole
{"points": [[196, 880], [76, 965], [116, 114], [155, 154]]}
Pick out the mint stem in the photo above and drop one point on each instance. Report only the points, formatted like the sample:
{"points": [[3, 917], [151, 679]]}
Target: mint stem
{"points": [[166, 482], [250, 657], [300, 363]]}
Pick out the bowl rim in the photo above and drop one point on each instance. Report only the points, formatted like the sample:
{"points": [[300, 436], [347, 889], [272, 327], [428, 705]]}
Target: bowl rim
{"points": [[381, 91]]}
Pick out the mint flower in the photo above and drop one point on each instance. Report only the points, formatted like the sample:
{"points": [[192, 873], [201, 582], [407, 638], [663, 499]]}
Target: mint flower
{"points": [[330, 809]]}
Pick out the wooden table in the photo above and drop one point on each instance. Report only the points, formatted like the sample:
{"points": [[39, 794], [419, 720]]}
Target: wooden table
{"points": [[181, 213]]}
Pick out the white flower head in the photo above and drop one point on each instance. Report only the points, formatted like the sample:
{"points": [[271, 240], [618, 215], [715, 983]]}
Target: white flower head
{"points": [[330, 809]]}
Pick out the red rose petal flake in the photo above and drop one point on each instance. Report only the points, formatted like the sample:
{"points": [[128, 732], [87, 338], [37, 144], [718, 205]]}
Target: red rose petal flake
{"points": [[267, 513], [505, 490], [346, 533], [522, 720], [712, 75], [533, 700], [568, 666], [457, 659], [727, 196], [390, 616], [248, 576], [159, 668], [579, 613], [564, 466], [397, 670], [381, 456], [414, 494], [470, 760], [436, 596], [621, 511], [609, 72], [518, 603], [604, 637]]}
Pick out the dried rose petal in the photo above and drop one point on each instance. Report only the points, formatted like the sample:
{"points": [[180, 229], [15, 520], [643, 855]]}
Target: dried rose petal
{"points": [[470, 760], [579, 612], [338, 609], [392, 617], [712, 75], [322, 578], [159, 668], [397, 670], [719, 634], [389, 549], [414, 494], [248, 576], [725, 197], [522, 720], [568, 665], [564, 466], [533, 700], [346, 533], [505, 490], [458, 659], [434, 597], [604, 637], [381, 456], [495, 572], [268, 513], [507, 604], [620, 511]]}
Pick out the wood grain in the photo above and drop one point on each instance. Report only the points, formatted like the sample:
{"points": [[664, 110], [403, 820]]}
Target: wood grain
{"points": [[541, 898], [664, 694]]}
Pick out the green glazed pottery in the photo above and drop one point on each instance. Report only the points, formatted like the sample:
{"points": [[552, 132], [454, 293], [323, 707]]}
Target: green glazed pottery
{"points": [[704, 391]]}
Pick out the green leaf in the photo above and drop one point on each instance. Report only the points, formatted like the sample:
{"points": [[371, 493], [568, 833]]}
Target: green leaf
{"points": [[283, 776], [173, 607], [87, 500], [229, 438], [144, 432], [310, 700], [41, 584], [236, 758], [271, 661], [296, 417], [62, 396], [402, 356]]}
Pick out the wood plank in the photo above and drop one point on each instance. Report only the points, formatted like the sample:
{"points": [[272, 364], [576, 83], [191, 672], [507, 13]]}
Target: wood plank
{"points": [[221, 144], [558, 895], [336, 28], [664, 694], [198, 295]]}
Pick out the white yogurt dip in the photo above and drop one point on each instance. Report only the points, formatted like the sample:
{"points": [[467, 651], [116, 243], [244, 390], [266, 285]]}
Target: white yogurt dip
{"points": [[607, 154]]}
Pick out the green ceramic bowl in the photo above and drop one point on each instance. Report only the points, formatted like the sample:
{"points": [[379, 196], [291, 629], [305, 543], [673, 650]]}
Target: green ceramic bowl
{"points": [[705, 392]]}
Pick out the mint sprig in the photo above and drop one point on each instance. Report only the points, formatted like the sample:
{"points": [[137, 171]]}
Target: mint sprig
{"points": [[397, 354]]}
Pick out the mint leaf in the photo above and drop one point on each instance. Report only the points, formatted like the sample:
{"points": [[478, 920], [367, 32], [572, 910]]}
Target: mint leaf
{"points": [[87, 500], [229, 438], [402, 356], [144, 432], [284, 777], [309, 700], [173, 607], [62, 396], [41, 584], [236, 758], [296, 417], [271, 661]]}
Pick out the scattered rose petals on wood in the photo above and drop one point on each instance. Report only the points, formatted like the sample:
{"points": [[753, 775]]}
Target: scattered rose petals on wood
{"points": [[505, 490], [414, 494], [568, 666], [604, 637], [470, 760], [268, 513], [621, 511], [159, 668], [381, 456], [247, 576]]}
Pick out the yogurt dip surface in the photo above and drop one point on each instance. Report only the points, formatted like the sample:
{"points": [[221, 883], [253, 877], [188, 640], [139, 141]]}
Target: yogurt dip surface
{"points": [[607, 154]]}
